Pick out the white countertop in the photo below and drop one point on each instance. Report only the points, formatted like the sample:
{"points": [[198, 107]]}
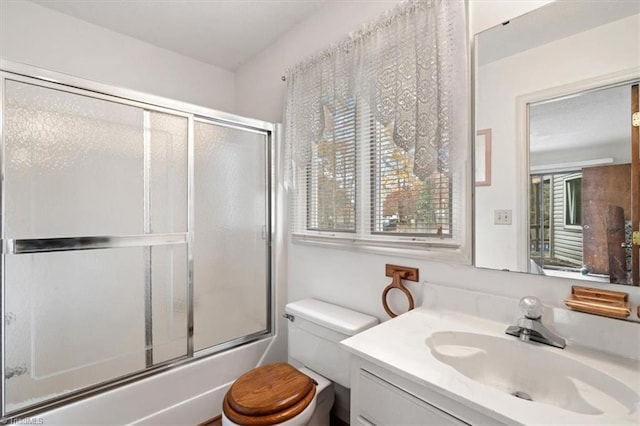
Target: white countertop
{"points": [[399, 346]]}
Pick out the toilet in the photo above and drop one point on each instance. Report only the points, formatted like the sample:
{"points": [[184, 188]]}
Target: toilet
{"points": [[299, 392]]}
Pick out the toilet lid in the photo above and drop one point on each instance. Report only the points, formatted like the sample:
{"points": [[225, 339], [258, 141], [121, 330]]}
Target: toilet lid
{"points": [[269, 394], [269, 389]]}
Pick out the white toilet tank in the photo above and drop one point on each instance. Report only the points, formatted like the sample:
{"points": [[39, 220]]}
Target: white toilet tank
{"points": [[315, 332]]}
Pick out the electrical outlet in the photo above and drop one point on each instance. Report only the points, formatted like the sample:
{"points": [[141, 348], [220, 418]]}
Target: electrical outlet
{"points": [[502, 217]]}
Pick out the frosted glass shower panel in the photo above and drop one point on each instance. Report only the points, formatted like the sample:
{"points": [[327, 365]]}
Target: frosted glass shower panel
{"points": [[69, 156], [231, 270], [167, 168], [135, 233], [78, 319], [169, 302]]}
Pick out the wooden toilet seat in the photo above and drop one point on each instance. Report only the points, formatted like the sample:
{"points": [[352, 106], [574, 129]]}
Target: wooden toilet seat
{"points": [[268, 395]]}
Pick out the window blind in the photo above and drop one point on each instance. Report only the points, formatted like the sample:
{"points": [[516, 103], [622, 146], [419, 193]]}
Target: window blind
{"points": [[359, 184], [402, 203], [331, 176]]}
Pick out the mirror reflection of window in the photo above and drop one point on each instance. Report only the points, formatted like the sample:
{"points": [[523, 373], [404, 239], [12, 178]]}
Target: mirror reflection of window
{"points": [[573, 202], [555, 217], [539, 218]]}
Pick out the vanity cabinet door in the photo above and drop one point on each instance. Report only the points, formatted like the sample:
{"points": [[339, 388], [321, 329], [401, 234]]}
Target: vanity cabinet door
{"points": [[379, 402]]}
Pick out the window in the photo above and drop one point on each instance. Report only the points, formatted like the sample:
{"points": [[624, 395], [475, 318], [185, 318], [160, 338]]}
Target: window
{"points": [[403, 203], [331, 178], [360, 185], [376, 133], [540, 215], [573, 202]]}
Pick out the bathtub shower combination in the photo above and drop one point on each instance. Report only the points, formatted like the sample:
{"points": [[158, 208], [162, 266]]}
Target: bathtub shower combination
{"points": [[136, 235]]}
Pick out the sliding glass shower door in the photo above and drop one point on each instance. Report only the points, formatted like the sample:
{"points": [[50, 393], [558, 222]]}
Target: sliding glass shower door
{"points": [[133, 236], [231, 270]]}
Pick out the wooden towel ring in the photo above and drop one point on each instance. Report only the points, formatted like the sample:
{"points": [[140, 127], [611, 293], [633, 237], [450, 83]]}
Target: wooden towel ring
{"points": [[396, 283]]}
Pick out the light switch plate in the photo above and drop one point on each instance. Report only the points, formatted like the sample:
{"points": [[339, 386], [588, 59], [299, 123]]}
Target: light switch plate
{"points": [[502, 217]]}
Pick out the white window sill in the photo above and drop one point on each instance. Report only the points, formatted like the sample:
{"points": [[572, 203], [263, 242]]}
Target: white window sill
{"points": [[423, 249]]}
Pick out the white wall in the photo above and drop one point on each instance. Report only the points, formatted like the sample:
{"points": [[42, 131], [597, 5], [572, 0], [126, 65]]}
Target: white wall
{"points": [[34, 35], [259, 87], [484, 14], [575, 58]]}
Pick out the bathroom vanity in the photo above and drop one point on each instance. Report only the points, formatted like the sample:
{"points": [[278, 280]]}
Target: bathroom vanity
{"points": [[444, 366], [380, 396]]}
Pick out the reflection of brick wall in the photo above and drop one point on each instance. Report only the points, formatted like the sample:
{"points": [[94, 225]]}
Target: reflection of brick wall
{"points": [[602, 186], [627, 237]]}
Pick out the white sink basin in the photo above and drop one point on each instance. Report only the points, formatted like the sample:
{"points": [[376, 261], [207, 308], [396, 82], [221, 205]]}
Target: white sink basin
{"points": [[530, 372]]}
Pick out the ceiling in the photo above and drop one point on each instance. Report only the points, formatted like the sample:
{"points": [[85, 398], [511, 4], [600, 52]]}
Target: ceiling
{"points": [[224, 33], [582, 121], [552, 22]]}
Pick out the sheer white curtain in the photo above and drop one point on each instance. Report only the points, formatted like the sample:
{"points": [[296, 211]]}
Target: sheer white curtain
{"points": [[407, 70], [323, 82], [411, 67]]}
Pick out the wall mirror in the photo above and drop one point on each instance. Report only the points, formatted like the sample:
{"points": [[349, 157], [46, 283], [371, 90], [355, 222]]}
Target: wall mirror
{"points": [[554, 141]]}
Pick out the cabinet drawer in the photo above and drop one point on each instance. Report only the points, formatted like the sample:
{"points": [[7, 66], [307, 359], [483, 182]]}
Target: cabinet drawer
{"points": [[382, 403]]}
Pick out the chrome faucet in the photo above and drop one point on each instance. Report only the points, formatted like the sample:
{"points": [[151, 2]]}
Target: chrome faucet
{"points": [[530, 326]]}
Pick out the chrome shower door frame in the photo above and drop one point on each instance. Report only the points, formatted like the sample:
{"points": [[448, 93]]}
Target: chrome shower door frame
{"points": [[27, 74]]}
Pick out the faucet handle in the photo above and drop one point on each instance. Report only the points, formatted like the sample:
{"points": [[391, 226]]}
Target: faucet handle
{"points": [[532, 307]]}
